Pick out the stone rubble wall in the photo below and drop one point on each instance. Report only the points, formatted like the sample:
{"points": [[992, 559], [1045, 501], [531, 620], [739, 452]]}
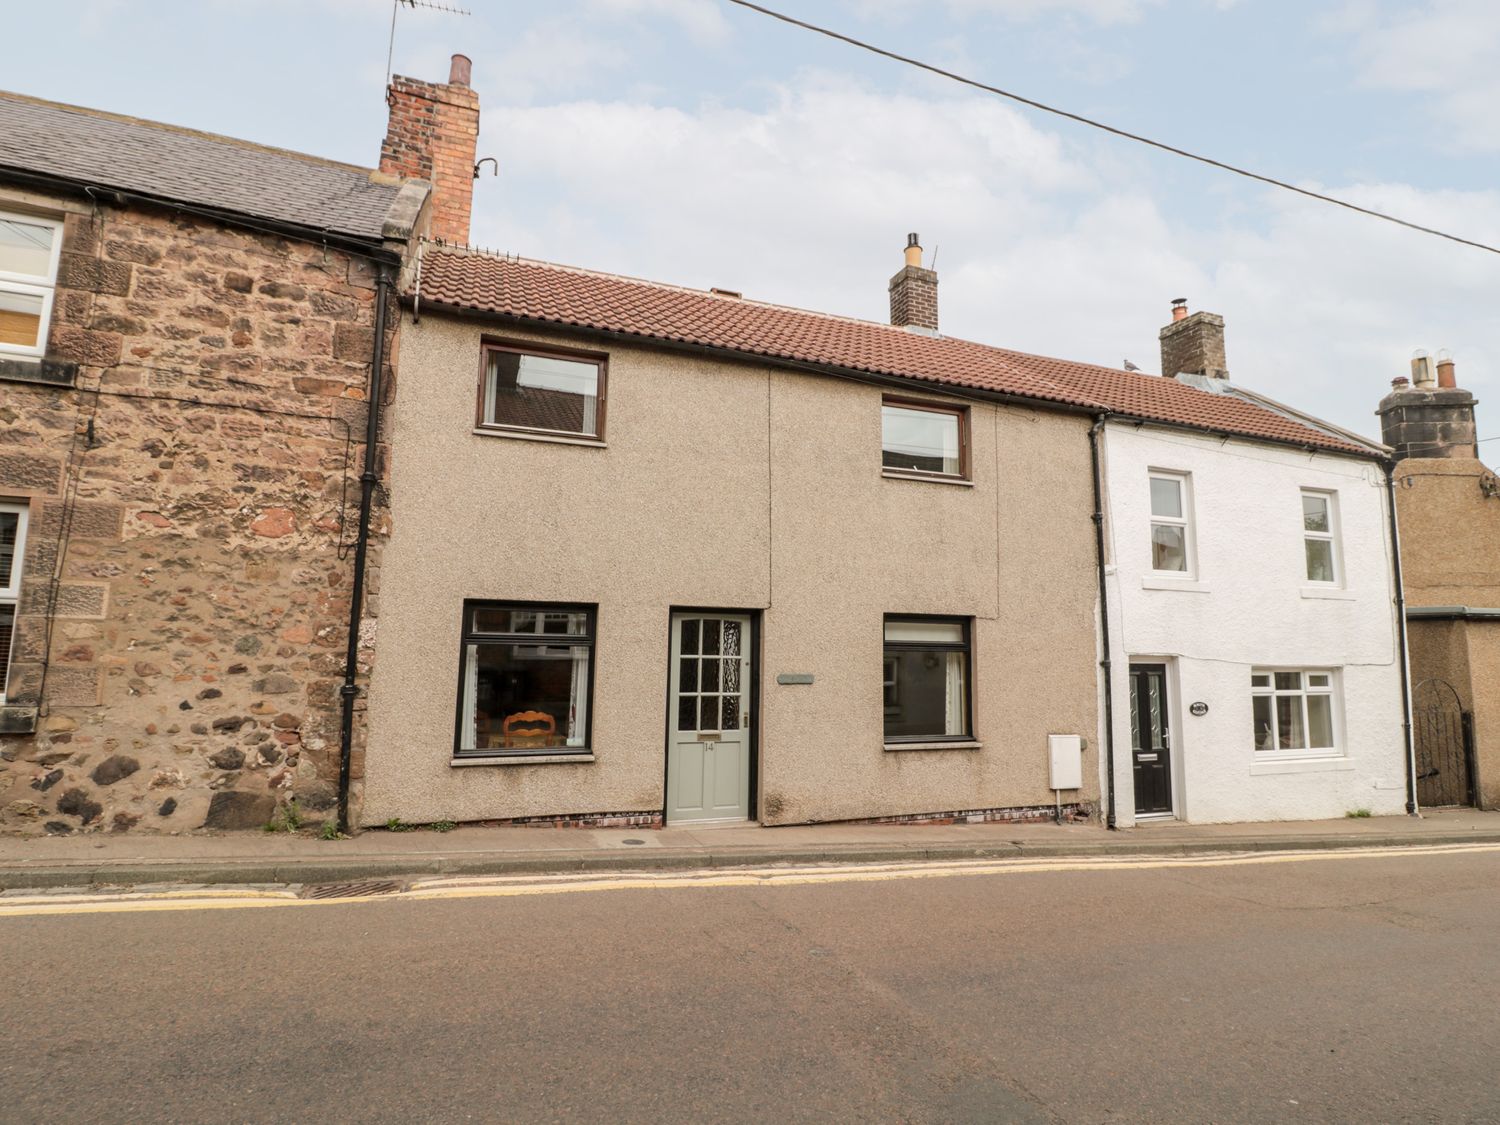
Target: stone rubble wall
{"points": [[195, 482]]}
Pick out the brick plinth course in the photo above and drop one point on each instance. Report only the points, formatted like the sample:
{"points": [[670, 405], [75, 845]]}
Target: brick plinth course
{"points": [[195, 483]]}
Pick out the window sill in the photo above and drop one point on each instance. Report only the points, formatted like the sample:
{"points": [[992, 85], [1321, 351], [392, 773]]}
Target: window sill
{"points": [[551, 439], [1328, 593], [940, 744], [517, 759], [930, 478], [1183, 585], [1299, 765], [37, 369]]}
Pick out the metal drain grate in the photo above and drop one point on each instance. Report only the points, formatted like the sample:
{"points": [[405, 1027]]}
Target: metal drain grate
{"points": [[352, 890]]}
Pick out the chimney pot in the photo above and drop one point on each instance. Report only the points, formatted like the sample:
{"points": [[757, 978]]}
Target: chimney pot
{"points": [[1399, 382], [459, 70], [1445, 373], [1179, 310], [1421, 369]]}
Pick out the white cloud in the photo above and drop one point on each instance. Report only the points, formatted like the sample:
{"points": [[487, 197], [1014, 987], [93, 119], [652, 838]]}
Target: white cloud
{"points": [[703, 20], [1448, 50], [1042, 246]]}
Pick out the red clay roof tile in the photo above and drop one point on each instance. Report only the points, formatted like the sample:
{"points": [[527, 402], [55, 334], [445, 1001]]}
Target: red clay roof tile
{"points": [[563, 295]]}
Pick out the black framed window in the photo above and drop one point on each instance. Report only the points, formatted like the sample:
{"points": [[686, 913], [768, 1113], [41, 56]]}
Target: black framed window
{"points": [[526, 679], [926, 681]]}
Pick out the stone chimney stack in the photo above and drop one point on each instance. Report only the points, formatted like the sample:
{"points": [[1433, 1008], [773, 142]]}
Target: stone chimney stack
{"points": [[432, 135], [1193, 344], [914, 292], [1432, 417]]}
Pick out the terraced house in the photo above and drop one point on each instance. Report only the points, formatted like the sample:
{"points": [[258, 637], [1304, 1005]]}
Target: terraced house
{"points": [[190, 330], [663, 555]]}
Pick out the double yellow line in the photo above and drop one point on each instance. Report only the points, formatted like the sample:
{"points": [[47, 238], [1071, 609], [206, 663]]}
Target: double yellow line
{"points": [[19, 905]]}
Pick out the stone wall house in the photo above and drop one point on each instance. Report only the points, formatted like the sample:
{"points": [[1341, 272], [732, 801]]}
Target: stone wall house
{"points": [[187, 332], [1449, 505]]}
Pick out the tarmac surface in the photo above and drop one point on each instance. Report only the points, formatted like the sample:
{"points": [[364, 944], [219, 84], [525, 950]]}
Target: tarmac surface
{"points": [[1355, 985]]}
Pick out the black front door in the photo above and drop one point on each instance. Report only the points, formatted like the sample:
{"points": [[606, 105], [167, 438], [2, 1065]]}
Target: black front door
{"points": [[1150, 739]]}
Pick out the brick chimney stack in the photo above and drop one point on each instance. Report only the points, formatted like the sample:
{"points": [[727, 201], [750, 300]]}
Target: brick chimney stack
{"points": [[432, 135], [914, 292], [1193, 344], [1432, 418]]}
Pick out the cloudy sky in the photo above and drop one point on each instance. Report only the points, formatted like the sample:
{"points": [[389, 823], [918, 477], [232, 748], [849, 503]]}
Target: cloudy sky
{"points": [[695, 142]]}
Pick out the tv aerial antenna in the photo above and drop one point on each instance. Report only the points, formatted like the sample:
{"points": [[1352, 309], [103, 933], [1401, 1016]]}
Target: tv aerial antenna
{"points": [[396, 6]]}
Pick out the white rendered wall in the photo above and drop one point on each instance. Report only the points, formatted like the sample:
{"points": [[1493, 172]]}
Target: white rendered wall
{"points": [[1248, 606]]}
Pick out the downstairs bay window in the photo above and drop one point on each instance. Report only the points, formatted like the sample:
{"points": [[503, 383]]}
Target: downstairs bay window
{"points": [[1295, 712], [526, 680], [926, 679]]}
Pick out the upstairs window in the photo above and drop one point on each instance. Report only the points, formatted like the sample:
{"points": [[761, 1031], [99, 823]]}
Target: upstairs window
{"points": [[1320, 537], [921, 440], [29, 249], [543, 392], [1171, 524], [12, 551], [1294, 710]]}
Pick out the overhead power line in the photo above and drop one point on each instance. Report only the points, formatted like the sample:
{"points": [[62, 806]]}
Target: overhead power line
{"points": [[1129, 136]]}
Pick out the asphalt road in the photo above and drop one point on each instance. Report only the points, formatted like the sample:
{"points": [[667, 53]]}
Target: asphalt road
{"points": [[1331, 990]]}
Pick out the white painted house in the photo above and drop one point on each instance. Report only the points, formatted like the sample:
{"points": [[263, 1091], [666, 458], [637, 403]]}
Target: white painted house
{"points": [[1255, 649]]}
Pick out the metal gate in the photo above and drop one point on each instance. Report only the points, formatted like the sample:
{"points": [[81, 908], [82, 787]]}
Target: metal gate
{"points": [[1444, 735]]}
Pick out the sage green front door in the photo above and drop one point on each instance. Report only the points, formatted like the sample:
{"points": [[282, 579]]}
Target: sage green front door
{"points": [[708, 736]]}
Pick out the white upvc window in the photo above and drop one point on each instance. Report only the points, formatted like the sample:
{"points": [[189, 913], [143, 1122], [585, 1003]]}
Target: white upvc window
{"points": [[1320, 537], [1296, 711], [1171, 524], [12, 555], [29, 249]]}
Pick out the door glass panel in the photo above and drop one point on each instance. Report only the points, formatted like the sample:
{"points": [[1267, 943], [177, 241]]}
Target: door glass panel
{"points": [[710, 638], [731, 712], [731, 645], [690, 637], [1156, 717], [710, 680], [708, 714], [689, 674], [731, 675], [1135, 713], [1289, 722], [687, 712]]}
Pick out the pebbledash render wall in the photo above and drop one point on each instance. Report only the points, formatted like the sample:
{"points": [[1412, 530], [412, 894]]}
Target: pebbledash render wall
{"points": [[731, 485], [1250, 606], [188, 490]]}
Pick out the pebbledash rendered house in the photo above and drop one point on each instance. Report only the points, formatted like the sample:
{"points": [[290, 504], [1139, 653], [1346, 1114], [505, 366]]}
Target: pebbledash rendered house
{"points": [[662, 555]]}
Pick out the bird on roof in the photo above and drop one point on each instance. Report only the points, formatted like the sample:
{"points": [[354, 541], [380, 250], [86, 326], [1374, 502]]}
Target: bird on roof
{"points": [[1130, 366]]}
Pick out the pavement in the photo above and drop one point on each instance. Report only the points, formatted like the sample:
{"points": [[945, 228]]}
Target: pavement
{"points": [[271, 858]]}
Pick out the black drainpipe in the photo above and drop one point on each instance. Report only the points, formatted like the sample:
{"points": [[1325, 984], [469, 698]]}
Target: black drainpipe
{"points": [[367, 481], [1104, 661], [1411, 753]]}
